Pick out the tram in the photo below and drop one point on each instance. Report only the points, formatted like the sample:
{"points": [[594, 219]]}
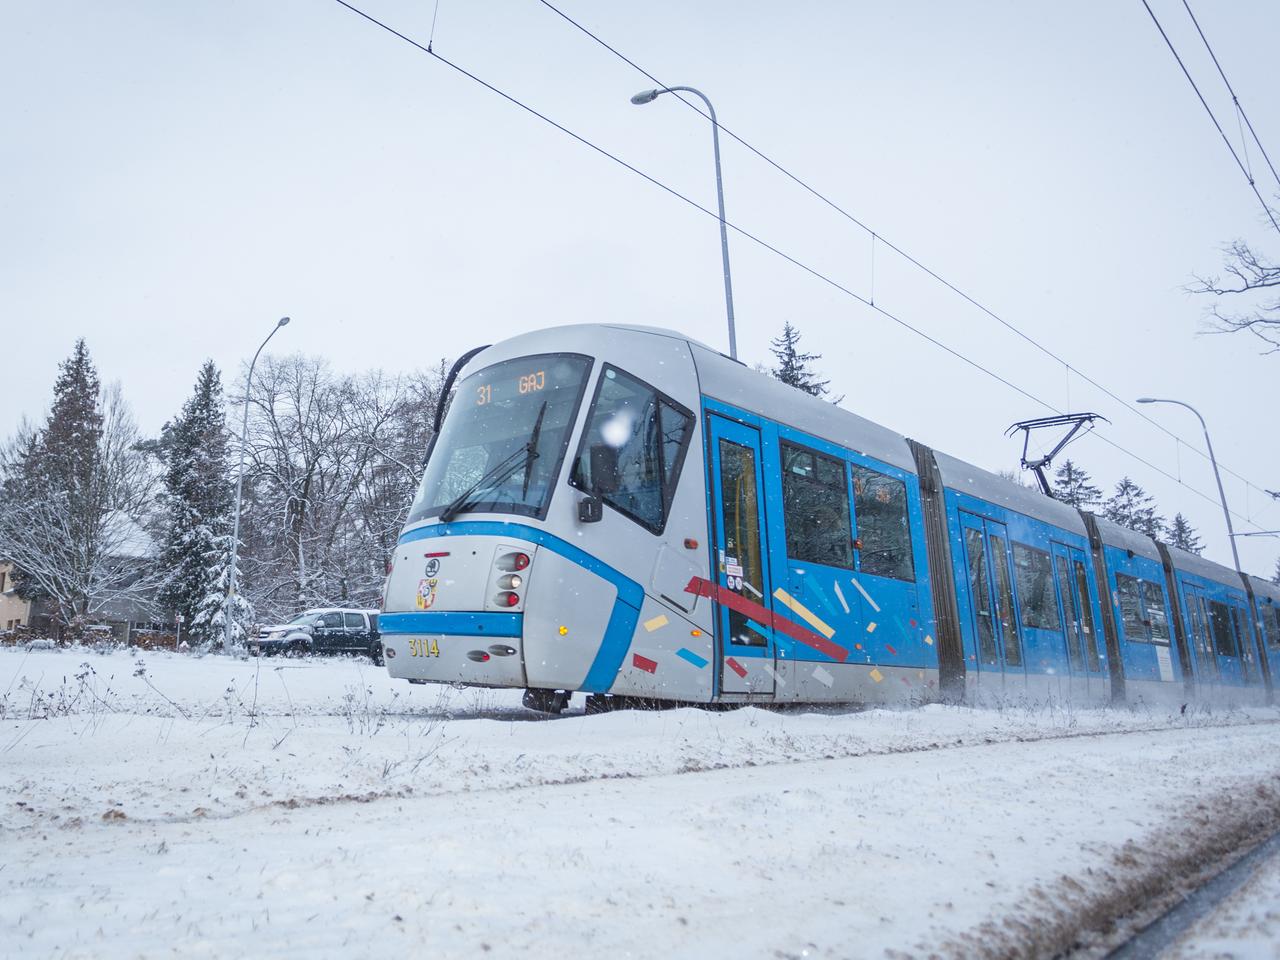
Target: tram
{"points": [[625, 512]]}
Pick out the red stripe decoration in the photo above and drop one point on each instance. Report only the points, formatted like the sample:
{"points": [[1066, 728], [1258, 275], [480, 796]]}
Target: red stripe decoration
{"points": [[702, 587], [644, 663], [736, 667], [889, 647]]}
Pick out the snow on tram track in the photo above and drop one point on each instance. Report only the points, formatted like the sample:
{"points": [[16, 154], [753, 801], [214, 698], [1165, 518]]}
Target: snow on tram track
{"points": [[1018, 847]]}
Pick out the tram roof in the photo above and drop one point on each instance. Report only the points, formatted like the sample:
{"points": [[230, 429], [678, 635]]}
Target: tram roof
{"points": [[1115, 535], [976, 482], [1265, 588], [1195, 564], [731, 382]]}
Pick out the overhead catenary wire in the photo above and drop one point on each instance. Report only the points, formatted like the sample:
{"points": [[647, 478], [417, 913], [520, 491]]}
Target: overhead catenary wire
{"points": [[760, 242], [1209, 110], [1234, 99], [879, 237]]}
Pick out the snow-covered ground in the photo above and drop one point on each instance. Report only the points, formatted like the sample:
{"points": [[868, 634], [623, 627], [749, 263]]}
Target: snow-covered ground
{"points": [[315, 808]]}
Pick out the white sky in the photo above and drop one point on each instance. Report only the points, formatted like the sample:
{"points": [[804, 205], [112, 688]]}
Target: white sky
{"points": [[174, 177]]}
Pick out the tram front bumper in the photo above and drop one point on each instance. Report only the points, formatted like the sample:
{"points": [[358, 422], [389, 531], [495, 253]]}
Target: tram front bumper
{"points": [[479, 649]]}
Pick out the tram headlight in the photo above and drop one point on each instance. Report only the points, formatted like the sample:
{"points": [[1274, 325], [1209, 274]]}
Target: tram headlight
{"points": [[511, 581]]}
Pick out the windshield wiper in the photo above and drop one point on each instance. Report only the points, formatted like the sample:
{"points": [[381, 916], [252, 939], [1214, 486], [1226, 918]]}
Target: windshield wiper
{"points": [[532, 449], [495, 476]]}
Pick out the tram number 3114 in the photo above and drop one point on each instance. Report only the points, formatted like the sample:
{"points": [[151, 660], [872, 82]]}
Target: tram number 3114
{"points": [[423, 647]]}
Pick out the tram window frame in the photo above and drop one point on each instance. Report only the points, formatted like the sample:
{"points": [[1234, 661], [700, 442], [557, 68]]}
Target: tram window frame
{"points": [[1157, 627], [1244, 638], [1273, 634], [1038, 608], [670, 477], [1215, 638], [799, 541], [1135, 630], [905, 564]]}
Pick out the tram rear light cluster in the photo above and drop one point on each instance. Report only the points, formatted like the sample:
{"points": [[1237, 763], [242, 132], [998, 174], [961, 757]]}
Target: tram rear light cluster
{"points": [[513, 561], [509, 580]]}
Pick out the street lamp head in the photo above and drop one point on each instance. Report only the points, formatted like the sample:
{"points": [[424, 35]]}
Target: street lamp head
{"points": [[1148, 400], [283, 322], [646, 96]]}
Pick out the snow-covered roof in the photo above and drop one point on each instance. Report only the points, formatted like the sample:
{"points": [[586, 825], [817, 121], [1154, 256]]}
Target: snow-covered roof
{"points": [[125, 538]]}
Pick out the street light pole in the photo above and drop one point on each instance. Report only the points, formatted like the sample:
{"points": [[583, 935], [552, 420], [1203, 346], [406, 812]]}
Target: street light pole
{"points": [[1222, 495], [235, 530], [648, 96]]}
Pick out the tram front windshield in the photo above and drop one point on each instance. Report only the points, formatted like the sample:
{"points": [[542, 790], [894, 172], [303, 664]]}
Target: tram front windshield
{"points": [[502, 444]]}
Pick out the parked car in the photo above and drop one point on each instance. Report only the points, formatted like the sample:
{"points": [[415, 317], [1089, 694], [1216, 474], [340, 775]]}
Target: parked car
{"points": [[326, 630]]}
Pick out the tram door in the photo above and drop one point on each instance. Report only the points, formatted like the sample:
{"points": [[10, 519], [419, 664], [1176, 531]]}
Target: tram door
{"points": [[741, 563], [1083, 641], [990, 583]]}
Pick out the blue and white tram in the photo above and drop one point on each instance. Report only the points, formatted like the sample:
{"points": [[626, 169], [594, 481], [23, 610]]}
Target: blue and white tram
{"points": [[626, 512]]}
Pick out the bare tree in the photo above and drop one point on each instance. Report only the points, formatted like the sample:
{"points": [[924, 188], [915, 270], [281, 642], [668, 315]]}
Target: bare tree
{"points": [[1251, 277]]}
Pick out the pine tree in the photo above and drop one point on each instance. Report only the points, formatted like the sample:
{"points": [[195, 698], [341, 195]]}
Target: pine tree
{"points": [[1275, 577], [1074, 486], [1132, 507], [1183, 536], [59, 471], [198, 501], [793, 366]]}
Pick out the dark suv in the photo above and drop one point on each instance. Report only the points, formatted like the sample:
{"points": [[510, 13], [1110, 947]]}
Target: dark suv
{"points": [[329, 631]]}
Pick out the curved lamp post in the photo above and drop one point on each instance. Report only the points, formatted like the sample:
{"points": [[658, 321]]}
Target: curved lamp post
{"points": [[1231, 536], [235, 532], [648, 96]]}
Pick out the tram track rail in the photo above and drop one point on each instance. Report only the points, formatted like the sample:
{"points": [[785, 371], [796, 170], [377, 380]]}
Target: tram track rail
{"points": [[1153, 939]]}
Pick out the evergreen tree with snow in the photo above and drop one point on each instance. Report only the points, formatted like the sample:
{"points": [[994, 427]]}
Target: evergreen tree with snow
{"points": [[1183, 536], [198, 499], [1132, 507], [794, 365], [59, 470], [210, 619], [1075, 487], [1275, 577]]}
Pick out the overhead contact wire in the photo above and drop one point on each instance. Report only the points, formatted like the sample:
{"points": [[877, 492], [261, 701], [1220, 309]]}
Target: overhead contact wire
{"points": [[750, 236], [876, 236]]}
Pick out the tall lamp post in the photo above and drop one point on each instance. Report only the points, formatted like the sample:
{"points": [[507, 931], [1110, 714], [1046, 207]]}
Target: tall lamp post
{"points": [[648, 96], [235, 530], [1231, 535]]}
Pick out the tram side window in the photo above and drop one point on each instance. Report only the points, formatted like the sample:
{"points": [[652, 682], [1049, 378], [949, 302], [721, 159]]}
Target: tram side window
{"points": [[1273, 634], [815, 503], [1157, 620], [884, 531], [636, 439], [1220, 627], [1135, 624], [1033, 574]]}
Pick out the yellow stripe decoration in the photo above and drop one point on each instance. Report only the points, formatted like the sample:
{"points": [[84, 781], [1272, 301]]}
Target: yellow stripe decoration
{"points": [[871, 627], [656, 623], [928, 639], [876, 675], [804, 613]]}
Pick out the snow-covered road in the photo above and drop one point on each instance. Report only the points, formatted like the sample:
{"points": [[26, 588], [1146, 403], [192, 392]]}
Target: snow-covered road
{"points": [[348, 816]]}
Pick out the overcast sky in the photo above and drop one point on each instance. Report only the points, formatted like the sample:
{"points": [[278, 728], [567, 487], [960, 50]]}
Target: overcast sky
{"points": [[176, 176]]}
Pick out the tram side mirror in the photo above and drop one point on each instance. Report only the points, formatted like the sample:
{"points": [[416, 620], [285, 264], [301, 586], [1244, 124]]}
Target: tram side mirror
{"points": [[604, 469], [590, 510]]}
